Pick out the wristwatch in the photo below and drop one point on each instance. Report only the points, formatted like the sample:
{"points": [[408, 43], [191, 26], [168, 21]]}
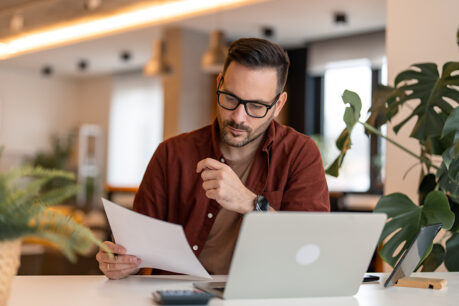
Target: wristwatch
{"points": [[261, 204]]}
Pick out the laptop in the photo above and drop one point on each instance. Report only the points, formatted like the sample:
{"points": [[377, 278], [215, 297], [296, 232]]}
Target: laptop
{"points": [[300, 254]]}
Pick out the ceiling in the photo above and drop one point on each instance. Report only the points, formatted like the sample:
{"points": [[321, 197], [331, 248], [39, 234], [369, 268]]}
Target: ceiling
{"points": [[44, 13], [295, 22]]}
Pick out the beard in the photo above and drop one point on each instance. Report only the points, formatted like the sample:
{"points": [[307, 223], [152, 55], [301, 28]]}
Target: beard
{"points": [[250, 135], [231, 140]]}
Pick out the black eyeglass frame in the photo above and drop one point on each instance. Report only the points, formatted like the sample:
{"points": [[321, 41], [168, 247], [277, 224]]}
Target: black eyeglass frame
{"points": [[244, 102]]}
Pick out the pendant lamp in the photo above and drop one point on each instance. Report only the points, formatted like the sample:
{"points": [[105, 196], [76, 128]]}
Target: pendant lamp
{"points": [[214, 59], [158, 64]]}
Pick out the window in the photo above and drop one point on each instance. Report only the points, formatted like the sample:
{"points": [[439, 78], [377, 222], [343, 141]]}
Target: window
{"points": [[355, 75], [136, 127]]}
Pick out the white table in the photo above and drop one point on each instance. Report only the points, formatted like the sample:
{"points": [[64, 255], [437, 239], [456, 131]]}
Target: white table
{"points": [[136, 290]]}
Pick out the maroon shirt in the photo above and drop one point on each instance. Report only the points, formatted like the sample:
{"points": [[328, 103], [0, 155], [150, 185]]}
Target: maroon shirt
{"points": [[287, 171]]}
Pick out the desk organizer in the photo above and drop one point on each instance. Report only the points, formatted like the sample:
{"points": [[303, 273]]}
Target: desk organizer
{"points": [[421, 282]]}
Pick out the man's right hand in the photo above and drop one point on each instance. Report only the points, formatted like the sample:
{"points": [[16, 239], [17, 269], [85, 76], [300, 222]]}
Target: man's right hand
{"points": [[120, 266]]}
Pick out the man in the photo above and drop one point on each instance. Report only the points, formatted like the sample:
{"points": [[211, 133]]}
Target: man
{"points": [[206, 180]]}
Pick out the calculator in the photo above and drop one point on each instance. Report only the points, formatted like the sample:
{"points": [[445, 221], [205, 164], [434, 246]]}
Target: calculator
{"points": [[182, 297]]}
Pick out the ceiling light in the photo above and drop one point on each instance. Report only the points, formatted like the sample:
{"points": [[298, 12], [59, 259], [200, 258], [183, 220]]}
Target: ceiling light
{"points": [[92, 5], [340, 18], [158, 64], [214, 58], [47, 71], [17, 23], [149, 15], [82, 65], [268, 32], [125, 56]]}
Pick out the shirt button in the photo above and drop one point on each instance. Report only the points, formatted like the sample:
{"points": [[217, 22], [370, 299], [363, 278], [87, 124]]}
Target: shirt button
{"points": [[222, 160], [195, 247], [210, 215]]}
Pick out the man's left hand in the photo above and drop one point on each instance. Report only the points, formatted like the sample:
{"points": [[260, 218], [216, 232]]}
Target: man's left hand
{"points": [[224, 186]]}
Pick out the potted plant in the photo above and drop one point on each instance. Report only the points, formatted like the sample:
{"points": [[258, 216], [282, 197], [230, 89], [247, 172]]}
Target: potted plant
{"points": [[23, 213], [437, 131]]}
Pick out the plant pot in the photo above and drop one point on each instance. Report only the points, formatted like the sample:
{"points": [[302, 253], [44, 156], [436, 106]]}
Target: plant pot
{"points": [[10, 251]]}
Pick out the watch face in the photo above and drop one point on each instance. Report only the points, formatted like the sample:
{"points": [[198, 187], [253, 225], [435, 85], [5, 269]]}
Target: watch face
{"points": [[261, 204]]}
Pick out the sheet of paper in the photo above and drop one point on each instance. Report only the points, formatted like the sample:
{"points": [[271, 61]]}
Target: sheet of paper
{"points": [[157, 243]]}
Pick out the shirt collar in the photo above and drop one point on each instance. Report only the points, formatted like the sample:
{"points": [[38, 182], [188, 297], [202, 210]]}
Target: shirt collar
{"points": [[266, 145]]}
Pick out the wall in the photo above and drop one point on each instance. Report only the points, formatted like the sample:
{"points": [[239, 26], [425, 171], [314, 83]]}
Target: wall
{"points": [[368, 45], [93, 107], [32, 108], [187, 102], [196, 103], [417, 31]]}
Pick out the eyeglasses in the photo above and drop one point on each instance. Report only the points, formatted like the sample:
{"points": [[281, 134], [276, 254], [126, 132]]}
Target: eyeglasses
{"points": [[255, 109]]}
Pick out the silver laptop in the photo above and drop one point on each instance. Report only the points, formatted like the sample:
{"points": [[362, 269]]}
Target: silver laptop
{"points": [[300, 254]]}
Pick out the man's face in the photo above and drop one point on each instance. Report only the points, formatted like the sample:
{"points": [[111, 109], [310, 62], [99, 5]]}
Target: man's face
{"points": [[237, 128]]}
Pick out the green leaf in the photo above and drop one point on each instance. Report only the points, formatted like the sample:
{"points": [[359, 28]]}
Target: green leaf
{"points": [[435, 259], [436, 210], [455, 210], [56, 196], [422, 82], [437, 145], [448, 174], [351, 117], [22, 210], [378, 109], [403, 215], [406, 218], [333, 169], [452, 123], [352, 112], [452, 253], [68, 235], [343, 143], [427, 185]]}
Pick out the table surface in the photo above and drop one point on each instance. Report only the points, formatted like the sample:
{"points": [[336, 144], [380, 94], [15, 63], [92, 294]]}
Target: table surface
{"points": [[136, 290]]}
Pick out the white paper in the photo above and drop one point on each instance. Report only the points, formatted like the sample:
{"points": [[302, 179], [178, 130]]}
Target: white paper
{"points": [[157, 243]]}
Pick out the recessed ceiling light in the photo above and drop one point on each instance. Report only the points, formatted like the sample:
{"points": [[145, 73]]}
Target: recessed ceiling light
{"points": [[47, 70], [268, 32], [82, 65], [125, 56], [340, 18]]}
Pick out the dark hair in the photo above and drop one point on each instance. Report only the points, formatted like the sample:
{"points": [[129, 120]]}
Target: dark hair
{"points": [[259, 53]]}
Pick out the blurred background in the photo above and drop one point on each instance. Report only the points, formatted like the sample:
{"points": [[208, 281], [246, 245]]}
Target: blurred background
{"points": [[93, 86]]}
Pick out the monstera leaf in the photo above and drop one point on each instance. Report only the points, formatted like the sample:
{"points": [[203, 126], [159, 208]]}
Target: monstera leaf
{"points": [[452, 251], [351, 117], [452, 123], [405, 219], [424, 83], [448, 174], [427, 185], [434, 259], [381, 98]]}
